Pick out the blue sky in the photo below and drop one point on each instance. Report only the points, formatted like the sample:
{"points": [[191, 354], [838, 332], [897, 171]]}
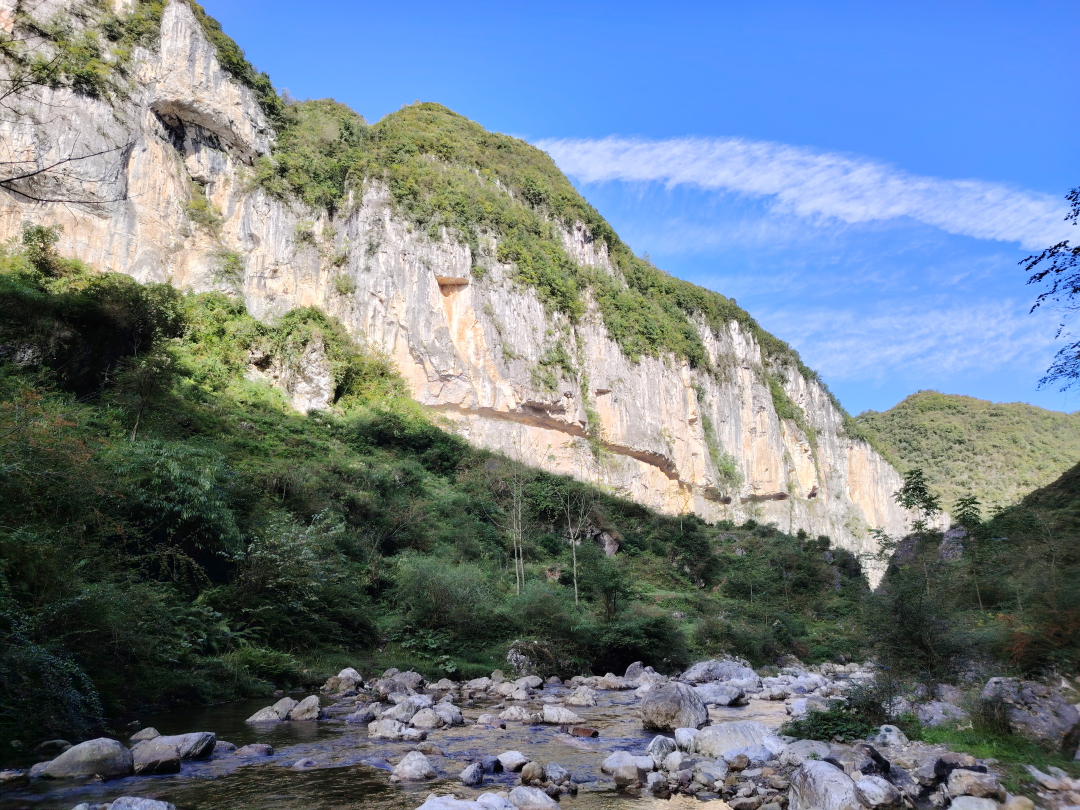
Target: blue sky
{"points": [[862, 177]]}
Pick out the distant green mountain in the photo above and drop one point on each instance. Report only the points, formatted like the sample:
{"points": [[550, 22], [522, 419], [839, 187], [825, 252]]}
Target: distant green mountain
{"points": [[997, 452]]}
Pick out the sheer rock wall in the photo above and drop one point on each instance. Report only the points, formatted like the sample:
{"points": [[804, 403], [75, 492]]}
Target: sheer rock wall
{"points": [[469, 348]]}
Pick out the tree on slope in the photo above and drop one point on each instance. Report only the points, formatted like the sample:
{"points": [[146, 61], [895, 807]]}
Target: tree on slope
{"points": [[1059, 267]]}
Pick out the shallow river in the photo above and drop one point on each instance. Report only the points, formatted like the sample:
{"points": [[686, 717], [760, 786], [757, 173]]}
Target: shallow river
{"points": [[349, 774]]}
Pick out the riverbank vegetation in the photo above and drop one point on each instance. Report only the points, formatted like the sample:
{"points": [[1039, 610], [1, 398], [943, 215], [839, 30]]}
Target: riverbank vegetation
{"points": [[172, 531]]}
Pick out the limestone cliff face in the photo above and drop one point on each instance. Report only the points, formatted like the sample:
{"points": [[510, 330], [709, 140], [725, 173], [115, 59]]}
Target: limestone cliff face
{"points": [[471, 349]]}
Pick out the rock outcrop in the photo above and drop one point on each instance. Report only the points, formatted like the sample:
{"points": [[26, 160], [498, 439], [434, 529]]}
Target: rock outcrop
{"points": [[467, 347]]}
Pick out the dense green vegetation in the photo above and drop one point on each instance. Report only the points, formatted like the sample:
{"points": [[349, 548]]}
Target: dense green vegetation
{"points": [[966, 446], [171, 531]]}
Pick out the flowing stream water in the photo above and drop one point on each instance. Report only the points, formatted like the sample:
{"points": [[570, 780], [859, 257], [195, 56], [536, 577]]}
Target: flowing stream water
{"points": [[353, 771]]}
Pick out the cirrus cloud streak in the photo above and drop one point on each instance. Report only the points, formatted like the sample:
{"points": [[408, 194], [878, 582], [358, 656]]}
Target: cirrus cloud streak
{"points": [[818, 185]]}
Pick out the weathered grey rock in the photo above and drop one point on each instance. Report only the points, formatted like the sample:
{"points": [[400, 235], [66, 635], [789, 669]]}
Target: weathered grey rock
{"points": [[874, 791], [265, 715], [255, 750], [713, 741], [139, 803], [582, 696], [146, 734], [512, 761], [283, 707], [673, 761], [1037, 713], [530, 798], [720, 694], [427, 719], [450, 714], [624, 758], [154, 756], [473, 775], [684, 738], [890, 735], [709, 773], [633, 672], [656, 784], [386, 729], [517, 714], [196, 745], [102, 757], [306, 709], [414, 767], [672, 706], [955, 760], [561, 716], [659, 748], [365, 714], [10, 776], [938, 713], [556, 773], [485, 801], [821, 786], [971, 783], [732, 672], [972, 803]]}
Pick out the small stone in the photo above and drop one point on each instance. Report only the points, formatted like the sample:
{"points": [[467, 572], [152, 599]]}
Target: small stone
{"points": [[973, 803], [969, 783], [473, 775], [305, 764], [947, 763], [414, 767], [684, 738], [532, 773], [264, 715], [255, 750], [306, 709], [512, 761], [560, 716], [530, 798], [139, 803], [491, 765], [584, 731], [556, 774]]}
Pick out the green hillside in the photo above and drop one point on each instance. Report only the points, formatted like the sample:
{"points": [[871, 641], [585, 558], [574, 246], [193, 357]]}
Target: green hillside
{"points": [[967, 446]]}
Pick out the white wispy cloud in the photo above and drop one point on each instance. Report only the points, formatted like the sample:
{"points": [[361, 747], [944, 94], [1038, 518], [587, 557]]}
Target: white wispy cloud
{"points": [[931, 343], [819, 185]]}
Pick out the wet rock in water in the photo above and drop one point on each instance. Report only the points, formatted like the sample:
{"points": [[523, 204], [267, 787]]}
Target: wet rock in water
{"points": [[684, 738], [195, 745], [450, 714], [304, 764], [385, 729], [223, 748], [530, 798], [1037, 713], [516, 714], [51, 748], [628, 770], [38, 769], [492, 765], [720, 694], [408, 707], [560, 716], [972, 803], [672, 706], [14, 775], [532, 773], [283, 707], [306, 709], [473, 775], [971, 783], [659, 748], [427, 719], [821, 786], [154, 757], [139, 803], [365, 714], [264, 715], [556, 773], [529, 682], [584, 731], [731, 671], [713, 741], [255, 750], [414, 767], [512, 761], [890, 735], [875, 792], [102, 757], [582, 696]]}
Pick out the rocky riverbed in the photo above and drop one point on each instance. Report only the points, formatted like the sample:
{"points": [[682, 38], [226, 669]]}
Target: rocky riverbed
{"points": [[711, 738]]}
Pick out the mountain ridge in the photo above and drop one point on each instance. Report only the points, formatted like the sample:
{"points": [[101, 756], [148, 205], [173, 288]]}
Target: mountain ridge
{"points": [[506, 301]]}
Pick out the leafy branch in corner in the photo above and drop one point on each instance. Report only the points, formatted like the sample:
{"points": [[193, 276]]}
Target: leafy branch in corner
{"points": [[1059, 267]]}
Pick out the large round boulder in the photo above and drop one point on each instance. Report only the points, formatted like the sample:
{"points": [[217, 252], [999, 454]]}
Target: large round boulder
{"points": [[672, 706], [101, 757], [715, 741], [821, 786]]}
